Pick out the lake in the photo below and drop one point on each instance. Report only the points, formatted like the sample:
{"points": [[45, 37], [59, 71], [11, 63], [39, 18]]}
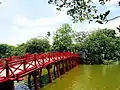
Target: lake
{"points": [[88, 77]]}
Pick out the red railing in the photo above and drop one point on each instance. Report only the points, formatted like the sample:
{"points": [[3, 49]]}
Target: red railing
{"points": [[16, 67]]}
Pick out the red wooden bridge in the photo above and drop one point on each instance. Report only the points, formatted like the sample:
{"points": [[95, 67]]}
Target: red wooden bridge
{"points": [[15, 68]]}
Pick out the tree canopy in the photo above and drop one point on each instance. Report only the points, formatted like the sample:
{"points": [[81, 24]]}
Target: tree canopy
{"points": [[6, 50], [62, 39], [37, 45], [94, 47], [100, 45]]}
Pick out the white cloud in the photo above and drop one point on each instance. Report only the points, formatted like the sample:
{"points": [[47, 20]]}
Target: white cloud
{"points": [[109, 2], [2, 4], [93, 26], [112, 24], [25, 28], [112, 2]]}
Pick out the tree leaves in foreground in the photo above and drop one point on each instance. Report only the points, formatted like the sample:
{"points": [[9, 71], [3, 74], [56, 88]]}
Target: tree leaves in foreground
{"points": [[81, 10]]}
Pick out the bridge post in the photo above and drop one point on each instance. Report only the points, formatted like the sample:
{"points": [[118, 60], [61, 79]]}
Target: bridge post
{"points": [[54, 70], [77, 63], [29, 82], [49, 73], [7, 68], [74, 63], [25, 61], [70, 62], [58, 69], [63, 66], [67, 65], [40, 75], [10, 85], [35, 80]]}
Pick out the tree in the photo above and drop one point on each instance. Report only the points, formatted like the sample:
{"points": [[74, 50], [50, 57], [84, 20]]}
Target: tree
{"points": [[81, 10], [79, 36], [20, 50], [6, 50], [37, 45], [100, 45], [62, 39], [107, 32], [48, 34], [118, 28]]}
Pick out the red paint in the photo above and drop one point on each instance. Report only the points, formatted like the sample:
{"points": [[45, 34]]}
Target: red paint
{"points": [[63, 66], [49, 74], [32, 63], [36, 82], [58, 69]]}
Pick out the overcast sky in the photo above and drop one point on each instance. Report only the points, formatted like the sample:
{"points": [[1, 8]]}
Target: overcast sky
{"points": [[21, 20]]}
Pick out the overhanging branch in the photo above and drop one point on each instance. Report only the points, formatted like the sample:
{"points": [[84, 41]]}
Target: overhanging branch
{"points": [[111, 19]]}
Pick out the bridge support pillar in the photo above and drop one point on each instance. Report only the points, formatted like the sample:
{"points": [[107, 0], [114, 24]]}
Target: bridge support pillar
{"points": [[54, 70], [35, 80], [10, 85], [40, 76], [58, 69], [49, 73], [67, 65], [75, 63], [40, 72], [70, 62], [63, 66], [29, 82]]}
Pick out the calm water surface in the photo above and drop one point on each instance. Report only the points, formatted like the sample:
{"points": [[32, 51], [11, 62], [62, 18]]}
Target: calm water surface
{"points": [[88, 77]]}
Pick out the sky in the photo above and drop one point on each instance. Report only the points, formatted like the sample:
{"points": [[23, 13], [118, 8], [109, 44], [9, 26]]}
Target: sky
{"points": [[21, 20]]}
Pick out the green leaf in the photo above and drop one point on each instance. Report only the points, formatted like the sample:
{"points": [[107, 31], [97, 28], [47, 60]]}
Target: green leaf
{"points": [[99, 21], [58, 9]]}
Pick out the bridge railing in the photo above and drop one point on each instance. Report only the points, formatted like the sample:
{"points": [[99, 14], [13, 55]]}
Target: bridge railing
{"points": [[18, 66]]}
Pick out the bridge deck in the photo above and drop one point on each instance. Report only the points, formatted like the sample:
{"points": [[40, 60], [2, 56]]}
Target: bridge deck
{"points": [[16, 67]]}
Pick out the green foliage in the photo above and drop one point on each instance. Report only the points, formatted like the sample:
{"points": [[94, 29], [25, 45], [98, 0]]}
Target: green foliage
{"points": [[37, 45], [20, 50], [6, 50], [48, 34], [100, 45], [32, 46], [62, 39], [107, 32], [95, 47], [81, 10], [79, 37]]}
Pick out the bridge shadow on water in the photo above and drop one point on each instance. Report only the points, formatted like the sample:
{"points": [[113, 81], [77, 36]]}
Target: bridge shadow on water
{"points": [[44, 81]]}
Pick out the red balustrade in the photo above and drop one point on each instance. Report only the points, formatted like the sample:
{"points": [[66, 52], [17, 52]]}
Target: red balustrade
{"points": [[15, 67]]}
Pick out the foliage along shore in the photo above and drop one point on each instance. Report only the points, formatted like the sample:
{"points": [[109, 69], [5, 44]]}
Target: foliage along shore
{"points": [[95, 47]]}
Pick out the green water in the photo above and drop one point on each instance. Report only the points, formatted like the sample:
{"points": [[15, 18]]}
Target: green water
{"points": [[88, 77]]}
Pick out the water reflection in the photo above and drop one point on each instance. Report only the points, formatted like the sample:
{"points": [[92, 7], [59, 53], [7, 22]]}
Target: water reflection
{"points": [[88, 77]]}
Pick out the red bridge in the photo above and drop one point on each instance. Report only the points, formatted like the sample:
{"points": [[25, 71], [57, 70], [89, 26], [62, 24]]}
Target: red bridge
{"points": [[15, 68]]}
